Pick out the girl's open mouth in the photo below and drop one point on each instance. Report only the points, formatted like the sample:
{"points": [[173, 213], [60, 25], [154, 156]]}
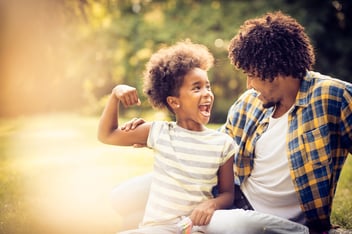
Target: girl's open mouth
{"points": [[205, 109]]}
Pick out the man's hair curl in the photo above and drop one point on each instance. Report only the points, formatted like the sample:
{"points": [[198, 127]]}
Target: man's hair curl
{"points": [[271, 45]]}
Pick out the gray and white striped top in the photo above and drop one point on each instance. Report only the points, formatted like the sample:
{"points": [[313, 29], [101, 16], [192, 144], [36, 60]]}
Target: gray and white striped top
{"points": [[185, 170]]}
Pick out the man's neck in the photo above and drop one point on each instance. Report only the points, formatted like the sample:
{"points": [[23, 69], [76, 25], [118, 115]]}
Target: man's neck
{"points": [[280, 110], [291, 87]]}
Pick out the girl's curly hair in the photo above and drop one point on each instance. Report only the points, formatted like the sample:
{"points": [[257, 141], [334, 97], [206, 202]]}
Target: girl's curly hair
{"points": [[166, 69], [274, 44]]}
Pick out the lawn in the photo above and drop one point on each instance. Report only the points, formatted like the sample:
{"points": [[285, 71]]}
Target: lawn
{"points": [[55, 177]]}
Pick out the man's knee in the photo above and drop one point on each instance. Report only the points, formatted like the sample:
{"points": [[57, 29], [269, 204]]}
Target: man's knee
{"points": [[131, 195]]}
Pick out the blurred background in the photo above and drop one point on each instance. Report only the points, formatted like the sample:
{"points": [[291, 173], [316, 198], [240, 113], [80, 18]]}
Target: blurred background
{"points": [[59, 59], [66, 55]]}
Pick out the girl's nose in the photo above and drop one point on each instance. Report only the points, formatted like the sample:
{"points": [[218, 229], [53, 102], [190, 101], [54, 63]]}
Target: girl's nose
{"points": [[207, 92]]}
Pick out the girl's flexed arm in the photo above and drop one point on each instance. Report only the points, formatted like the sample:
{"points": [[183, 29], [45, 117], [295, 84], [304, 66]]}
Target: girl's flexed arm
{"points": [[109, 131]]}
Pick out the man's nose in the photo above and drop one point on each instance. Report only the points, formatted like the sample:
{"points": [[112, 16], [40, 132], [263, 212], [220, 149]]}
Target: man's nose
{"points": [[249, 83]]}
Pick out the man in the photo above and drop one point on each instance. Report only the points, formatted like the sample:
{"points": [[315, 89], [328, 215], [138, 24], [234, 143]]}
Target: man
{"points": [[293, 125]]}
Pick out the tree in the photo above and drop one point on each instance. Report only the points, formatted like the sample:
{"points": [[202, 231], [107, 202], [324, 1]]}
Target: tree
{"points": [[67, 54]]}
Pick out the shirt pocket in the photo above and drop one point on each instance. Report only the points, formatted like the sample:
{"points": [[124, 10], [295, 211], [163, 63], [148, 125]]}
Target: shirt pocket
{"points": [[316, 146]]}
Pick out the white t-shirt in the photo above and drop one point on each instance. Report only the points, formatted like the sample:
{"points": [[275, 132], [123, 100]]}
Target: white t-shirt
{"points": [[269, 188]]}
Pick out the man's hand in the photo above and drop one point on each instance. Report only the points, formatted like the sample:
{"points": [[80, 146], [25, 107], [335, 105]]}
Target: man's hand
{"points": [[131, 125]]}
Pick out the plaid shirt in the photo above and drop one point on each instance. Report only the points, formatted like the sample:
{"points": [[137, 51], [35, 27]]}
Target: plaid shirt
{"points": [[318, 140]]}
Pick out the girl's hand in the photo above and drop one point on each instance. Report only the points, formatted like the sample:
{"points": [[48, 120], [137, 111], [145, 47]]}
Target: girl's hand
{"points": [[202, 214], [127, 95]]}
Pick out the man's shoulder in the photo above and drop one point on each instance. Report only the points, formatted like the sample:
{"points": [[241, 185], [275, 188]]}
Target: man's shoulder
{"points": [[316, 86], [318, 80]]}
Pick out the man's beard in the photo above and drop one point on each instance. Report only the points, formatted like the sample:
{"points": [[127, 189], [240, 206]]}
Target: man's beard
{"points": [[269, 104]]}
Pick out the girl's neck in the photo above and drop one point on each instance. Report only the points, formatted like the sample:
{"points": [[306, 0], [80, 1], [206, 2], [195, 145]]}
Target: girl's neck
{"points": [[191, 125]]}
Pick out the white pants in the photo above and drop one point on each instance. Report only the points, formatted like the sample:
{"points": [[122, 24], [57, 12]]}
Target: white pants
{"points": [[251, 222], [130, 197]]}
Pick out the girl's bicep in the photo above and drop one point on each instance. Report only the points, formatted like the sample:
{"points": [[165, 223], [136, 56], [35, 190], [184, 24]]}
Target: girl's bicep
{"points": [[137, 136]]}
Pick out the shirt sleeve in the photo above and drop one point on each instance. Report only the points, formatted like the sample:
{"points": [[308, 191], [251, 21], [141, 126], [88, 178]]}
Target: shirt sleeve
{"points": [[155, 129], [346, 118], [230, 148]]}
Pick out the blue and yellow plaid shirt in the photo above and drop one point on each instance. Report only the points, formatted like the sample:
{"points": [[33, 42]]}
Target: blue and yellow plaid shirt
{"points": [[318, 140]]}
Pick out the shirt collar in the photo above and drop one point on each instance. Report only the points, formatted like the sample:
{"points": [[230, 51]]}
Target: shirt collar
{"points": [[302, 98]]}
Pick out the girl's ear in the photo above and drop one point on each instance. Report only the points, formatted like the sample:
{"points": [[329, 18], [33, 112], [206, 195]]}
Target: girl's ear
{"points": [[173, 102]]}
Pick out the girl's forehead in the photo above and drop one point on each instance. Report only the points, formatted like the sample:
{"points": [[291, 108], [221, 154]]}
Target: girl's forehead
{"points": [[196, 74]]}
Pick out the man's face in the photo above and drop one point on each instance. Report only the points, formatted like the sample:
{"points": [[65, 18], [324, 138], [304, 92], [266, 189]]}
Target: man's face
{"points": [[269, 91]]}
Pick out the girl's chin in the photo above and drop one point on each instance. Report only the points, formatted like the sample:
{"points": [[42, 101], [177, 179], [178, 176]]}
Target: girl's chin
{"points": [[205, 120]]}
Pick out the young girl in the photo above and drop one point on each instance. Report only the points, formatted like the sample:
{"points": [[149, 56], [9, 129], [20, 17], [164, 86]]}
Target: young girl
{"points": [[190, 159]]}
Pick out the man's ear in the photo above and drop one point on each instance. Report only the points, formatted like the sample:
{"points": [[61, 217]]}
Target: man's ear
{"points": [[173, 102]]}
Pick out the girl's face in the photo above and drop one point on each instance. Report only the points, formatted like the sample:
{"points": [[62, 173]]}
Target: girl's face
{"points": [[195, 100]]}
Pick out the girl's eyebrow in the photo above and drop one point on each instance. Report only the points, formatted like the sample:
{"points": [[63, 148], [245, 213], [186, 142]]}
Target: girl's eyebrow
{"points": [[200, 82]]}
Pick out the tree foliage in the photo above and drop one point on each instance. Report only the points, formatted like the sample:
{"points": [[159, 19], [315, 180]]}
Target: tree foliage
{"points": [[68, 54]]}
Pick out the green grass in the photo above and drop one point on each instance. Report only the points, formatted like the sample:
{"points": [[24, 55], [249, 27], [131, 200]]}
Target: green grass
{"points": [[55, 177], [342, 206]]}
